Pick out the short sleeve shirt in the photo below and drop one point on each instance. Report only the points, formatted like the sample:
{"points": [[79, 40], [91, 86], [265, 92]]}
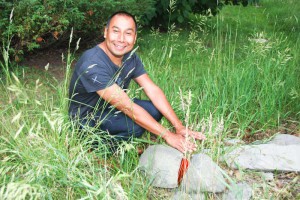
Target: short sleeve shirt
{"points": [[95, 71]]}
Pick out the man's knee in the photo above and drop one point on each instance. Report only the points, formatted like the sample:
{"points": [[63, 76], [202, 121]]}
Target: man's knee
{"points": [[137, 131], [150, 108], [154, 112]]}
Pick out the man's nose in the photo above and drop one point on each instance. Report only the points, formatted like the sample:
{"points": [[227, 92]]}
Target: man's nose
{"points": [[121, 37]]}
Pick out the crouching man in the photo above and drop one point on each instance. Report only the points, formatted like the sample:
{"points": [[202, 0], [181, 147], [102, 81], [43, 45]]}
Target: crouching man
{"points": [[98, 86]]}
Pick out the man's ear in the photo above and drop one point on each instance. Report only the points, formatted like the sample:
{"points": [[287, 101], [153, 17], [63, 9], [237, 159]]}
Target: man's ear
{"points": [[105, 32]]}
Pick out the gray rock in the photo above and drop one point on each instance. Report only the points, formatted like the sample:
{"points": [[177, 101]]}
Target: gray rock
{"points": [[161, 164], [203, 175], [198, 196], [240, 191], [285, 139], [180, 195], [265, 157]]}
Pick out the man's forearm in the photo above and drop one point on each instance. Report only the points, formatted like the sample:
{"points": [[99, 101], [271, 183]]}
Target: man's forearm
{"points": [[162, 104]]}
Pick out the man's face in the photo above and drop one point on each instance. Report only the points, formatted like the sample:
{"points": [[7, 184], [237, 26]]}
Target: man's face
{"points": [[120, 36]]}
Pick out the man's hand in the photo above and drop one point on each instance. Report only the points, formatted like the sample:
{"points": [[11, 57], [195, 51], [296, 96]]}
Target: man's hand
{"points": [[187, 132], [179, 142]]}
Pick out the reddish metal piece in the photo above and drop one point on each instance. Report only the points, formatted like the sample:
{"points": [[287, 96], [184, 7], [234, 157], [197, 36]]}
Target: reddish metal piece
{"points": [[182, 169]]}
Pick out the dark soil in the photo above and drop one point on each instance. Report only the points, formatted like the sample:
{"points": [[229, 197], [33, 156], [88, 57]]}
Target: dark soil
{"points": [[40, 59], [54, 56]]}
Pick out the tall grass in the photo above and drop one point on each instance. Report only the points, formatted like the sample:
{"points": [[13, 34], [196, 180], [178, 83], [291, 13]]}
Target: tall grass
{"points": [[244, 69], [237, 71], [4, 62], [41, 154]]}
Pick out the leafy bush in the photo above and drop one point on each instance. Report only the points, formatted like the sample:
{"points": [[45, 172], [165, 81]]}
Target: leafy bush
{"points": [[182, 10], [237, 2], [38, 23]]}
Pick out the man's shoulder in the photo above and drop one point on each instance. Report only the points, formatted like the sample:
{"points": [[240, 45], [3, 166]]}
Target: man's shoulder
{"points": [[94, 53], [91, 58]]}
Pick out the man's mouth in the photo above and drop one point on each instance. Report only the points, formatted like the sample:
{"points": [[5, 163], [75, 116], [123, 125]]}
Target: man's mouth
{"points": [[120, 47]]}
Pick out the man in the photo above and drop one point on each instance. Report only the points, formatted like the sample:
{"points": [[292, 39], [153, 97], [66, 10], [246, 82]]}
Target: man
{"points": [[98, 96]]}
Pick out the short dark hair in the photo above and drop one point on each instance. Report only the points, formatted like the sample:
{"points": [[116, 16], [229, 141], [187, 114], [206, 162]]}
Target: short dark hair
{"points": [[121, 12]]}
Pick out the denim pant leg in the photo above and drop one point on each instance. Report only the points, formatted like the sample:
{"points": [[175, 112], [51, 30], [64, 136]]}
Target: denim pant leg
{"points": [[123, 127]]}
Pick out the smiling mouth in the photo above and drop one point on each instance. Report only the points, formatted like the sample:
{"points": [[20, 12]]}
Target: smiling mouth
{"points": [[120, 47]]}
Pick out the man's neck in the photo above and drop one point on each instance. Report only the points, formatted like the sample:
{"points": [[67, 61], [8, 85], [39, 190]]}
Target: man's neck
{"points": [[117, 61]]}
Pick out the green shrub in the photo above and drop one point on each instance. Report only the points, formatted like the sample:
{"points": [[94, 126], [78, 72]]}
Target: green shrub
{"points": [[38, 23], [41, 24], [182, 10]]}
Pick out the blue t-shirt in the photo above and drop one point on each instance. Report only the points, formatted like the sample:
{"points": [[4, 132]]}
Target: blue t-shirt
{"points": [[95, 71]]}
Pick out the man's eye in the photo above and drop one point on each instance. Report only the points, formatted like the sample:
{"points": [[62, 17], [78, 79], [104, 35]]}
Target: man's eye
{"points": [[128, 33], [115, 31]]}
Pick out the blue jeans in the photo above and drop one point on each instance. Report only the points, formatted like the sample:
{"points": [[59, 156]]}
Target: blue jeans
{"points": [[116, 123]]}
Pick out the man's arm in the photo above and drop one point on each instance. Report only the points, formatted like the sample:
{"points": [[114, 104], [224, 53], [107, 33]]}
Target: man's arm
{"points": [[160, 101], [120, 100]]}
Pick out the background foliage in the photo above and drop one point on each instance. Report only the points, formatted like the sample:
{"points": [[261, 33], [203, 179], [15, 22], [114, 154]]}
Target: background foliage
{"points": [[40, 23], [183, 10]]}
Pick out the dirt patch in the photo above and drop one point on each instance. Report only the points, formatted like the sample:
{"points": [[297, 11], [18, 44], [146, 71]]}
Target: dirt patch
{"points": [[287, 127], [53, 58]]}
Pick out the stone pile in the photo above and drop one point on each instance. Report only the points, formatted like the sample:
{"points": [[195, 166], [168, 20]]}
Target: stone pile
{"points": [[280, 154], [161, 164]]}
